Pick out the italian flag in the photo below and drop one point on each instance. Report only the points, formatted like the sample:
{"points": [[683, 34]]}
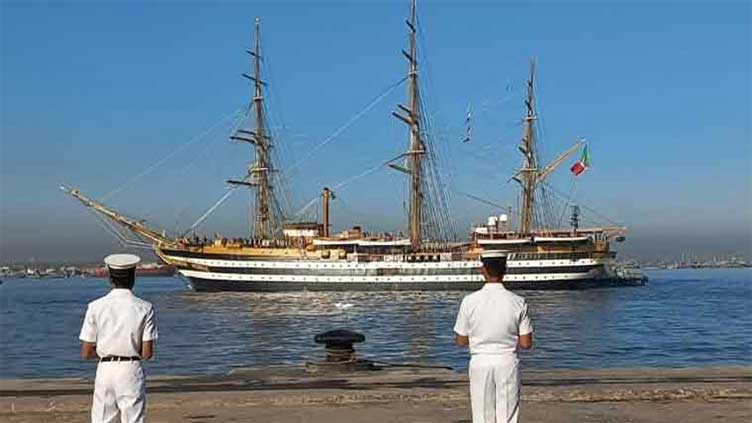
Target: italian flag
{"points": [[583, 164]]}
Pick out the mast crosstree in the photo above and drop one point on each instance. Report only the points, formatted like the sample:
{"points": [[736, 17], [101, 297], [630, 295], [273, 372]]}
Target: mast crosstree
{"points": [[266, 218]]}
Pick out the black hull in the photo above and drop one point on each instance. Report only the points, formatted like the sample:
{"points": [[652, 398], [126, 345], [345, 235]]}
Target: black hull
{"points": [[212, 285]]}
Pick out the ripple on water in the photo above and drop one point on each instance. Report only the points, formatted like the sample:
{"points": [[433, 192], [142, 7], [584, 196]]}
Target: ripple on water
{"points": [[682, 318]]}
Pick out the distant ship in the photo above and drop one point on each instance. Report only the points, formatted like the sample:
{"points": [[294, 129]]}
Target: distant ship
{"points": [[282, 255]]}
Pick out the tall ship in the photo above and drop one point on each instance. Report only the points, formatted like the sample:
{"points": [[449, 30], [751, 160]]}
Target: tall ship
{"points": [[285, 255]]}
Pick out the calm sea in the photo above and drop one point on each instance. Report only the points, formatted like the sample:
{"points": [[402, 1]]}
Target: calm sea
{"points": [[682, 318]]}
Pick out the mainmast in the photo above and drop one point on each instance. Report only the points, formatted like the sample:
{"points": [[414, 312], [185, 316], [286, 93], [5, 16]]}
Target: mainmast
{"points": [[412, 118], [259, 172], [529, 171]]}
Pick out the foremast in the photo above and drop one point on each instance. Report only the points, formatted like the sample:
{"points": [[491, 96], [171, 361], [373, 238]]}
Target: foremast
{"points": [[267, 219], [411, 115], [530, 176]]}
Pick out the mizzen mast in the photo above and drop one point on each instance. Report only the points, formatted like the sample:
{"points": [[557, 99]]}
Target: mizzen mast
{"points": [[259, 173], [529, 171], [530, 176], [412, 117]]}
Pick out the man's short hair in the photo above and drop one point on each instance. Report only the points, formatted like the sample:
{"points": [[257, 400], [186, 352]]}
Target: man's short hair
{"points": [[495, 263], [123, 278]]}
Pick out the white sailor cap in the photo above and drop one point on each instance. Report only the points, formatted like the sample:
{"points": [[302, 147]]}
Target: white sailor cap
{"points": [[122, 261], [493, 255]]}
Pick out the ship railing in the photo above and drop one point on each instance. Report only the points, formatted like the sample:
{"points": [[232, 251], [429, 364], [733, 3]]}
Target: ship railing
{"points": [[410, 257], [577, 255], [242, 242]]}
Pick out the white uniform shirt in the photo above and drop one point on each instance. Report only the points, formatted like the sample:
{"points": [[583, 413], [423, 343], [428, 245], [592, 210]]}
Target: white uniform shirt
{"points": [[118, 323], [493, 318]]}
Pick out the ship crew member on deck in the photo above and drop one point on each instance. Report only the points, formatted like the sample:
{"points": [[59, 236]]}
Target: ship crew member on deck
{"points": [[494, 323], [119, 330]]}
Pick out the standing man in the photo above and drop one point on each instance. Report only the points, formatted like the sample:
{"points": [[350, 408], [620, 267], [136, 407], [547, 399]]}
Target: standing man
{"points": [[119, 329], [494, 323]]}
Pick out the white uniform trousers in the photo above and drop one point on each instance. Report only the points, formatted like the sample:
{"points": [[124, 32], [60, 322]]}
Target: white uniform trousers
{"points": [[119, 386], [494, 388]]}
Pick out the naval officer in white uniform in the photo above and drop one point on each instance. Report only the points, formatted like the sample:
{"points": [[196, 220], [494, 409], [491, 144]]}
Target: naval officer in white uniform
{"points": [[119, 330], [494, 322]]}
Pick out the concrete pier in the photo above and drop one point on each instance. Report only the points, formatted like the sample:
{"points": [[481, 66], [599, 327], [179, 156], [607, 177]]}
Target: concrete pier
{"points": [[290, 394]]}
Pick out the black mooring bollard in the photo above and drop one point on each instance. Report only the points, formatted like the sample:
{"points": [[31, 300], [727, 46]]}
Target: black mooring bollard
{"points": [[339, 344]]}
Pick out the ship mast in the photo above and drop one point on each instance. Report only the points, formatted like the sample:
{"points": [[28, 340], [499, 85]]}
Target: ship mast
{"points": [[529, 171], [530, 176], [411, 116], [259, 172], [326, 196]]}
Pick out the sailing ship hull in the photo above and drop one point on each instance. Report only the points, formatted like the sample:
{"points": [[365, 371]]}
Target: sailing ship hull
{"points": [[218, 285], [207, 273]]}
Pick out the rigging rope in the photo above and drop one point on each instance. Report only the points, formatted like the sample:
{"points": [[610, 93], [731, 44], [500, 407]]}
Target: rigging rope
{"points": [[307, 206], [344, 183], [102, 223], [483, 200], [174, 152], [347, 124], [180, 173], [595, 212], [124, 241], [203, 217], [438, 205], [281, 152], [567, 201], [358, 176]]}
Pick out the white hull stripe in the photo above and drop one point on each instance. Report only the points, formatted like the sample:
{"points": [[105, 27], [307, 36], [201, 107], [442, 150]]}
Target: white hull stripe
{"points": [[556, 263], [326, 264], [373, 279]]}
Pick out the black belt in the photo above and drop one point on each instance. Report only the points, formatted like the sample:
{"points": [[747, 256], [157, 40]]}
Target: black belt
{"points": [[118, 358]]}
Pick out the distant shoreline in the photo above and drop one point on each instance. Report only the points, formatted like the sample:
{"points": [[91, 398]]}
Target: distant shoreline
{"points": [[652, 268]]}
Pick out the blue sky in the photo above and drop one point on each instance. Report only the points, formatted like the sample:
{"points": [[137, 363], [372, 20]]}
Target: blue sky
{"points": [[96, 92]]}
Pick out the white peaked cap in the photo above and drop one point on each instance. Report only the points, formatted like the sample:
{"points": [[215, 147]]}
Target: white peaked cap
{"points": [[493, 255], [121, 261]]}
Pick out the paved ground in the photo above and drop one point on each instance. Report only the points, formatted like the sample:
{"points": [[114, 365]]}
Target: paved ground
{"points": [[285, 395]]}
